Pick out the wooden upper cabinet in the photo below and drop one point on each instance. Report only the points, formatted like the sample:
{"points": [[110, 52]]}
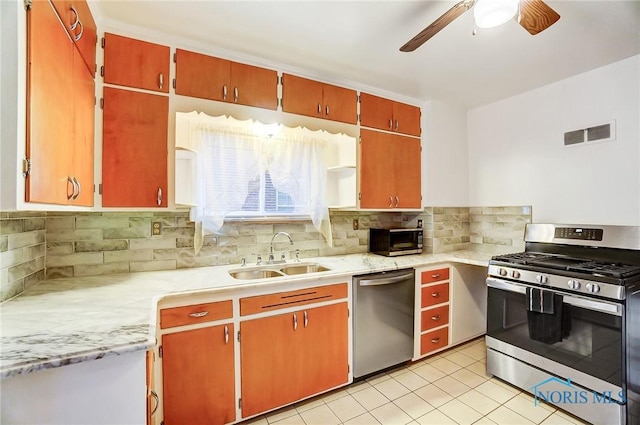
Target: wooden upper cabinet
{"points": [[208, 77], [384, 114], [315, 99], [134, 149], [77, 19], [134, 63], [60, 114]]}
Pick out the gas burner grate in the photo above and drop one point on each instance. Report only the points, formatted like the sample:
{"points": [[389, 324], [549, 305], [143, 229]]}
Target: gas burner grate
{"points": [[521, 257], [615, 270]]}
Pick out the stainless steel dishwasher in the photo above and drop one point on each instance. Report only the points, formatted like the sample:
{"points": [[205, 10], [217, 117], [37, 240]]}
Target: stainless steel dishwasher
{"points": [[383, 315]]}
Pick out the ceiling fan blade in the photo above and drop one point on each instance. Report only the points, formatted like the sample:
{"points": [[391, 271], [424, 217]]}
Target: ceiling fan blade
{"points": [[448, 17], [536, 16]]}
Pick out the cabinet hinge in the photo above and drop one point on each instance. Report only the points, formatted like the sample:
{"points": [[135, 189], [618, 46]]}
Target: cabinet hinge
{"points": [[239, 403], [360, 139], [100, 189], [160, 351], [282, 81], [238, 336], [26, 167], [102, 103], [102, 43], [27, 4], [357, 98], [102, 71], [175, 58], [360, 196], [94, 188], [280, 102], [174, 83], [357, 117], [162, 423]]}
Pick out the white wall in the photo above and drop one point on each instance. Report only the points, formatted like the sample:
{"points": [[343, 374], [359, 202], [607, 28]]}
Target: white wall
{"points": [[517, 154], [445, 176]]}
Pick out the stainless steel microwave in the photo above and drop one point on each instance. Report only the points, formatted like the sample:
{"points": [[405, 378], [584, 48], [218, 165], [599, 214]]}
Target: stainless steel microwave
{"points": [[393, 242]]}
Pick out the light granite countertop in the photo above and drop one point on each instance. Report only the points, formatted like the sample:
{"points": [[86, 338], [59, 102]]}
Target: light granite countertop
{"points": [[64, 321]]}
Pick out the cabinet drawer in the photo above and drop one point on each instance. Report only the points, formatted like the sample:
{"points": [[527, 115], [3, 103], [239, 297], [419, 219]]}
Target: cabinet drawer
{"points": [[261, 303], [430, 276], [197, 313], [434, 317], [434, 340], [435, 294]]}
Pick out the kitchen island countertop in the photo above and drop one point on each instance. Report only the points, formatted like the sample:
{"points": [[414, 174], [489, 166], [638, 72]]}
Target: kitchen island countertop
{"points": [[70, 320]]}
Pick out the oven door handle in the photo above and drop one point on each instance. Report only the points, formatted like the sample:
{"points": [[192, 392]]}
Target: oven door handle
{"points": [[589, 304]]}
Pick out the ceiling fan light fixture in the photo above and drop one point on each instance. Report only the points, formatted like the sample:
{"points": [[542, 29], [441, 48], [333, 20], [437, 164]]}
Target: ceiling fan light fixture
{"points": [[493, 13]]}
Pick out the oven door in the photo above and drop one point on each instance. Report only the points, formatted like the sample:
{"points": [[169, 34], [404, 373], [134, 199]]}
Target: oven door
{"points": [[590, 350]]}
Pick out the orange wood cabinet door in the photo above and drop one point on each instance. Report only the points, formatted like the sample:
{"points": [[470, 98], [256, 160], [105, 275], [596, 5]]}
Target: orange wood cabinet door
{"points": [[134, 149], [135, 63], [390, 171], [152, 401], [406, 119], [253, 86], [198, 376], [302, 96], [76, 17], [385, 114], [202, 76], [340, 104], [377, 170], [290, 356]]}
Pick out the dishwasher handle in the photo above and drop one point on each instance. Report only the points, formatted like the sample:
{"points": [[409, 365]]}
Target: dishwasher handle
{"points": [[385, 281]]}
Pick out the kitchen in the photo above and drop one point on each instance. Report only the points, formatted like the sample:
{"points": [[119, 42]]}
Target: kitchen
{"points": [[472, 150]]}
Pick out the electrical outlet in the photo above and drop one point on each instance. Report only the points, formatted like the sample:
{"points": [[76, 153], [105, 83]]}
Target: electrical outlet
{"points": [[419, 224], [156, 228], [356, 224]]}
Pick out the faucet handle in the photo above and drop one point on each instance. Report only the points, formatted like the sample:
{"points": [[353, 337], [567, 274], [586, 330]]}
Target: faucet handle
{"points": [[282, 257], [258, 259], [297, 255], [243, 262]]}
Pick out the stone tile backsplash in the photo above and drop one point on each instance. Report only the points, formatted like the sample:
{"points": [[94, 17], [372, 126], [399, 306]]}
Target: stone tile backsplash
{"points": [[39, 245]]}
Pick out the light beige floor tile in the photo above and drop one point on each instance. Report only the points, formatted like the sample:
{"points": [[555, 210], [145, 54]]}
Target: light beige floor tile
{"points": [[291, 420], [460, 359], [346, 408], [413, 405], [375, 379], [507, 386], [396, 372], [460, 412], [433, 395], [570, 418], [446, 366], [260, 420], [390, 414], [480, 368], [505, 416], [320, 415], [477, 351], [525, 406], [495, 392], [429, 373], [468, 378], [557, 419], [365, 419], [391, 389], [370, 398], [435, 417], [479, 402], [452, 386], [308, 404], [358, 386], [411, 380], [334, 395], [281, 414], [484, 421]]}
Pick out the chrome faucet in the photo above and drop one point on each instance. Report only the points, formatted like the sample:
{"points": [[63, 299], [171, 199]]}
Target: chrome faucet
{"points": [[271, 259]]}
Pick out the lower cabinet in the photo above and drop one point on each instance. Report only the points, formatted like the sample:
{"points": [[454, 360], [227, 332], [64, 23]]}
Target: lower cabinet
{"points": [[199, 376], [290, 356], [433, 317]]}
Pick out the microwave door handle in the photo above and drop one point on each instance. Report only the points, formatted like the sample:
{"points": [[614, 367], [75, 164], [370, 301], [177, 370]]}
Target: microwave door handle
{"points": [[385, 281]]}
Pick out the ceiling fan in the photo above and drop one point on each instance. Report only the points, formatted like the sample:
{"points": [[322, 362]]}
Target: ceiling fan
{"points": [[533, 15]]}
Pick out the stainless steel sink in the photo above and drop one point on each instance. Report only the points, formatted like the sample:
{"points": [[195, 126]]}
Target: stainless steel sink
{"points": [[303, 268], [280, 270]]}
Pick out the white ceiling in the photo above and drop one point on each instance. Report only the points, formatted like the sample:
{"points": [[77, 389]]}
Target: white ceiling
{"points": [[359, 41]]}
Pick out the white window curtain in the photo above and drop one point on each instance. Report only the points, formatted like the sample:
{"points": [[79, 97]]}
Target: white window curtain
{"points": [[232, 155]]}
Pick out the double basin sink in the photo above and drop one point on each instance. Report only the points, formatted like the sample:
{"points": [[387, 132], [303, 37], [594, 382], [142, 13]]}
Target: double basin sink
{"points": [[277, 270]]}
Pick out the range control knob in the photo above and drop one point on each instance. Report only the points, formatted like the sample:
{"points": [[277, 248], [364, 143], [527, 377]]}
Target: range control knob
{"points": [[594, 288], [574, 284], [541, 279], [502, 272], [515, 274]]}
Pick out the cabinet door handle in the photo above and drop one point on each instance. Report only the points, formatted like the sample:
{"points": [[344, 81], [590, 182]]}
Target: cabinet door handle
{"points": [[157, 399], [306, 319], [435, 276], [390, 201], [435, 340], [73, 188], [74, 24], [78, 36], [390, 124], [159, 196], [78, 189], [160, 80], [226, 334], [397, 125], [326, 110], [198, 314], [224, 92], [319, 109], [295, 322], [435, 294], [236, 94], [435, 318], [397, 201]]}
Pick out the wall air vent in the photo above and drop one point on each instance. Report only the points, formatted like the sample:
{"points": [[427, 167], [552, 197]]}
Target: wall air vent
{"points": [[598, 133]]}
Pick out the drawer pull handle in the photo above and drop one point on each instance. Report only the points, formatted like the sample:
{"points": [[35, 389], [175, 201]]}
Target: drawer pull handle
{"points": [[435, 318], [75, 23], [306, 319], [224, 92], [226, 334], [435, 276], [198, 314], [435, 340], [160, 81], [435, 294]]}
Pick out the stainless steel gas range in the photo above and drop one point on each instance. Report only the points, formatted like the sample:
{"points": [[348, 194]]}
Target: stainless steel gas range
{"points": [[563, 319]]}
